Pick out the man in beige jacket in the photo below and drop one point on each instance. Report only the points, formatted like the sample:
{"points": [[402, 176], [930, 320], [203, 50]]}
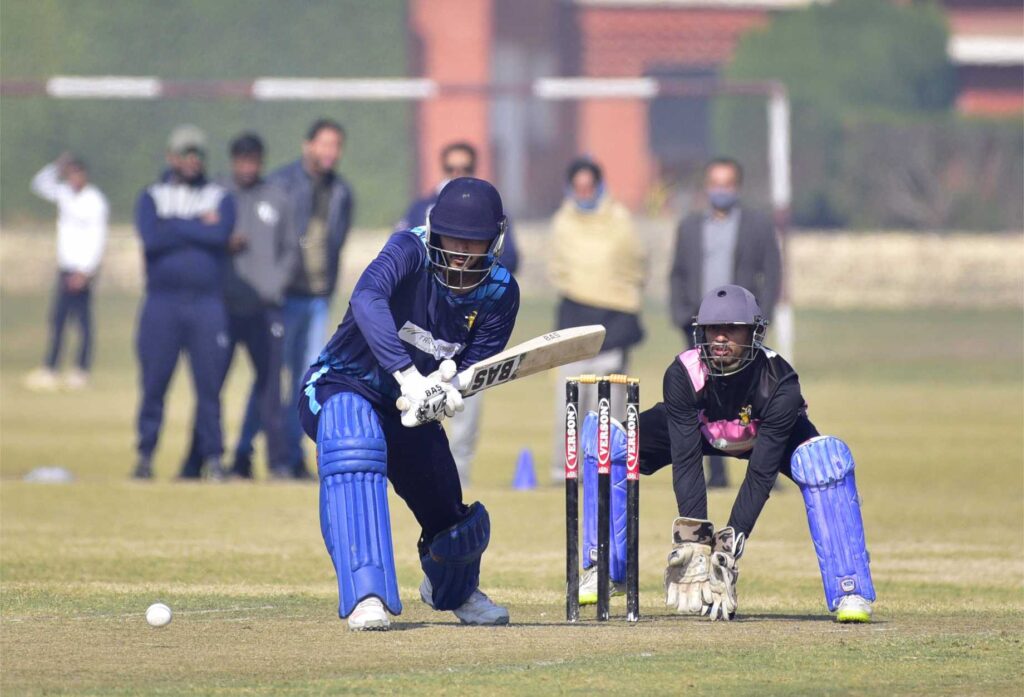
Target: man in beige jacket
{"points": [[597, 264]]}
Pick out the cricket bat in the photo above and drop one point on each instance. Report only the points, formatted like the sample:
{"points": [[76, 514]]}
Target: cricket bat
{"points": [[543, 353]]}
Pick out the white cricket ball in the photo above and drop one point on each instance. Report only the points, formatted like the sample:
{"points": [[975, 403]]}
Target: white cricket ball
{"points": [[158, 615]]}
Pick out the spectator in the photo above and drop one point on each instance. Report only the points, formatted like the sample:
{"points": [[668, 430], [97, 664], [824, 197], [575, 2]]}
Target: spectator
{"points": [[184, 222], [597, 265], [725, 244], [321, 204], [264, 250], [459, 160], [82, 213]]}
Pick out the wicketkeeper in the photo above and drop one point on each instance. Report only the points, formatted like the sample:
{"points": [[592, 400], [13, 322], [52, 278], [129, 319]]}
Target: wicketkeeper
{"points": [[730, 395], [434, 297]]}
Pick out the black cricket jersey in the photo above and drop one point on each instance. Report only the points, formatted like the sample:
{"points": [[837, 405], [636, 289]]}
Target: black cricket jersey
{"points": [[757, 414]]}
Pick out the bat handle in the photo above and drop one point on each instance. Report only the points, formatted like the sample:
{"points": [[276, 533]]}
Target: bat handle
{"points": [[461, 380]]}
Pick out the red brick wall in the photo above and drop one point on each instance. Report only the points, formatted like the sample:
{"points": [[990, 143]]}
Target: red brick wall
{"points": [[624, 42], [454, 39]]}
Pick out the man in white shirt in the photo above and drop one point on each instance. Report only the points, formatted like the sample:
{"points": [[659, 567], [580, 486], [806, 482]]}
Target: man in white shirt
{"points": [[82, 214]]}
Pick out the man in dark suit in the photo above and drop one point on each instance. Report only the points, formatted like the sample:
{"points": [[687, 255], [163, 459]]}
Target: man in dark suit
{"points": [[725, 244]]}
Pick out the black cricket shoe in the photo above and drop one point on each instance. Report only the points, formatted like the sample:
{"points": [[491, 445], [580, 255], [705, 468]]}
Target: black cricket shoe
{"points": [[241, 468]]}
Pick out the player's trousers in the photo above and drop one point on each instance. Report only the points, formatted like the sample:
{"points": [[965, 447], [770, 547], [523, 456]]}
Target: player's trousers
{"points": [[463, 434], [171, 323], [656, 453], [262, 334], [67, 305], [420, 465], [305, 329]]}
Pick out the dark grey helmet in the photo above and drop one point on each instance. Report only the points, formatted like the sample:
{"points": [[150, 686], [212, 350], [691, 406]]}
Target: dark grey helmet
{"points": [[729, 304]]}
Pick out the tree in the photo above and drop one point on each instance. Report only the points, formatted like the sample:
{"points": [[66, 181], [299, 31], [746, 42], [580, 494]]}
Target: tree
{"points": [[840, 61]]}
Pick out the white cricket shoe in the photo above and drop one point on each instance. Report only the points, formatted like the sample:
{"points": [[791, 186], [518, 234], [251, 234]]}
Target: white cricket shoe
{"points": [[42, 380], [369, 615], [853, 608], [477, 610], [76, 380], [588, 587]]}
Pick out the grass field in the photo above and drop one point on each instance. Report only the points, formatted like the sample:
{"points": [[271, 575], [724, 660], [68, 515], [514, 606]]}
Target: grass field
{"points": [[931, 403]]}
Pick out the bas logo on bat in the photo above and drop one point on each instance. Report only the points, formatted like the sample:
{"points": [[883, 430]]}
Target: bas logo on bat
{"points": [[496, 374]]}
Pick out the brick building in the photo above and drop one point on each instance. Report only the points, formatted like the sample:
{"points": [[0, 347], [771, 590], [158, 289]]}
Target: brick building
{"points": [[496, 47]]}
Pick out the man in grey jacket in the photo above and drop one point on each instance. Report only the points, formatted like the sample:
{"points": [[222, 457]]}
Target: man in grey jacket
{"points": [[264, 251], [725, 244], [321, 208]]}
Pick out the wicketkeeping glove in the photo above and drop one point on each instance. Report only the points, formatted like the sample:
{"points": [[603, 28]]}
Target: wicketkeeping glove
{"points": [[428, 398], [727, 549], [687, 586]]}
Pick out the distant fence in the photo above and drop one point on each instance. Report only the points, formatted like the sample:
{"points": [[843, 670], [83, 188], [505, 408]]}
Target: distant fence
{"points": [[826, 270]]}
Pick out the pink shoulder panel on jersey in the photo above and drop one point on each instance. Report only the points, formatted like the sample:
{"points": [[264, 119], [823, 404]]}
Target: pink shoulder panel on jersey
{"points": [[694, 368]]}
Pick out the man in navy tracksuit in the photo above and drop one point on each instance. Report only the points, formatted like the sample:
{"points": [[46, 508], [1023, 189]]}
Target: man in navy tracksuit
{"points": [[184, 222], [264, 250]]}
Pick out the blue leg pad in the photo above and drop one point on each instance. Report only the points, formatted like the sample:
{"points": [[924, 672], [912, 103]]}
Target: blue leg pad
{"points": [[352, 460], [452, 561], [617, 513], [823, 467]]}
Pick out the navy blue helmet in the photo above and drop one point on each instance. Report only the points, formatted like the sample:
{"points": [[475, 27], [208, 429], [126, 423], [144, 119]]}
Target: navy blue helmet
{"points": [[467, 209]]}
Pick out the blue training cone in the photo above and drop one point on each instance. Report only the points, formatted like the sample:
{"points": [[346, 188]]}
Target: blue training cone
{"points": [[525, 477]]}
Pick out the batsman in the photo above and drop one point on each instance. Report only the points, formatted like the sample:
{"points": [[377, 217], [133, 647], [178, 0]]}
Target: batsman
{"points": [[730, 395], [435, 298]]}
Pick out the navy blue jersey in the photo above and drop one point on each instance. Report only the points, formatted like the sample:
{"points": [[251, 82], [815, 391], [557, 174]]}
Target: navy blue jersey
{"points": [[400, 315]]}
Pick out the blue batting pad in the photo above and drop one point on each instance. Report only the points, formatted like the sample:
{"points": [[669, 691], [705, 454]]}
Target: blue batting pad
{"points": [[354, 519], [452, 561], [617, 512], [823, 467]]}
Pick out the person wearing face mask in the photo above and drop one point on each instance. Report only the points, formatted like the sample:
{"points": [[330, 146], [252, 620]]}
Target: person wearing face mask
{"points": [[184, 221], [725, 244], [597, 264]]}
